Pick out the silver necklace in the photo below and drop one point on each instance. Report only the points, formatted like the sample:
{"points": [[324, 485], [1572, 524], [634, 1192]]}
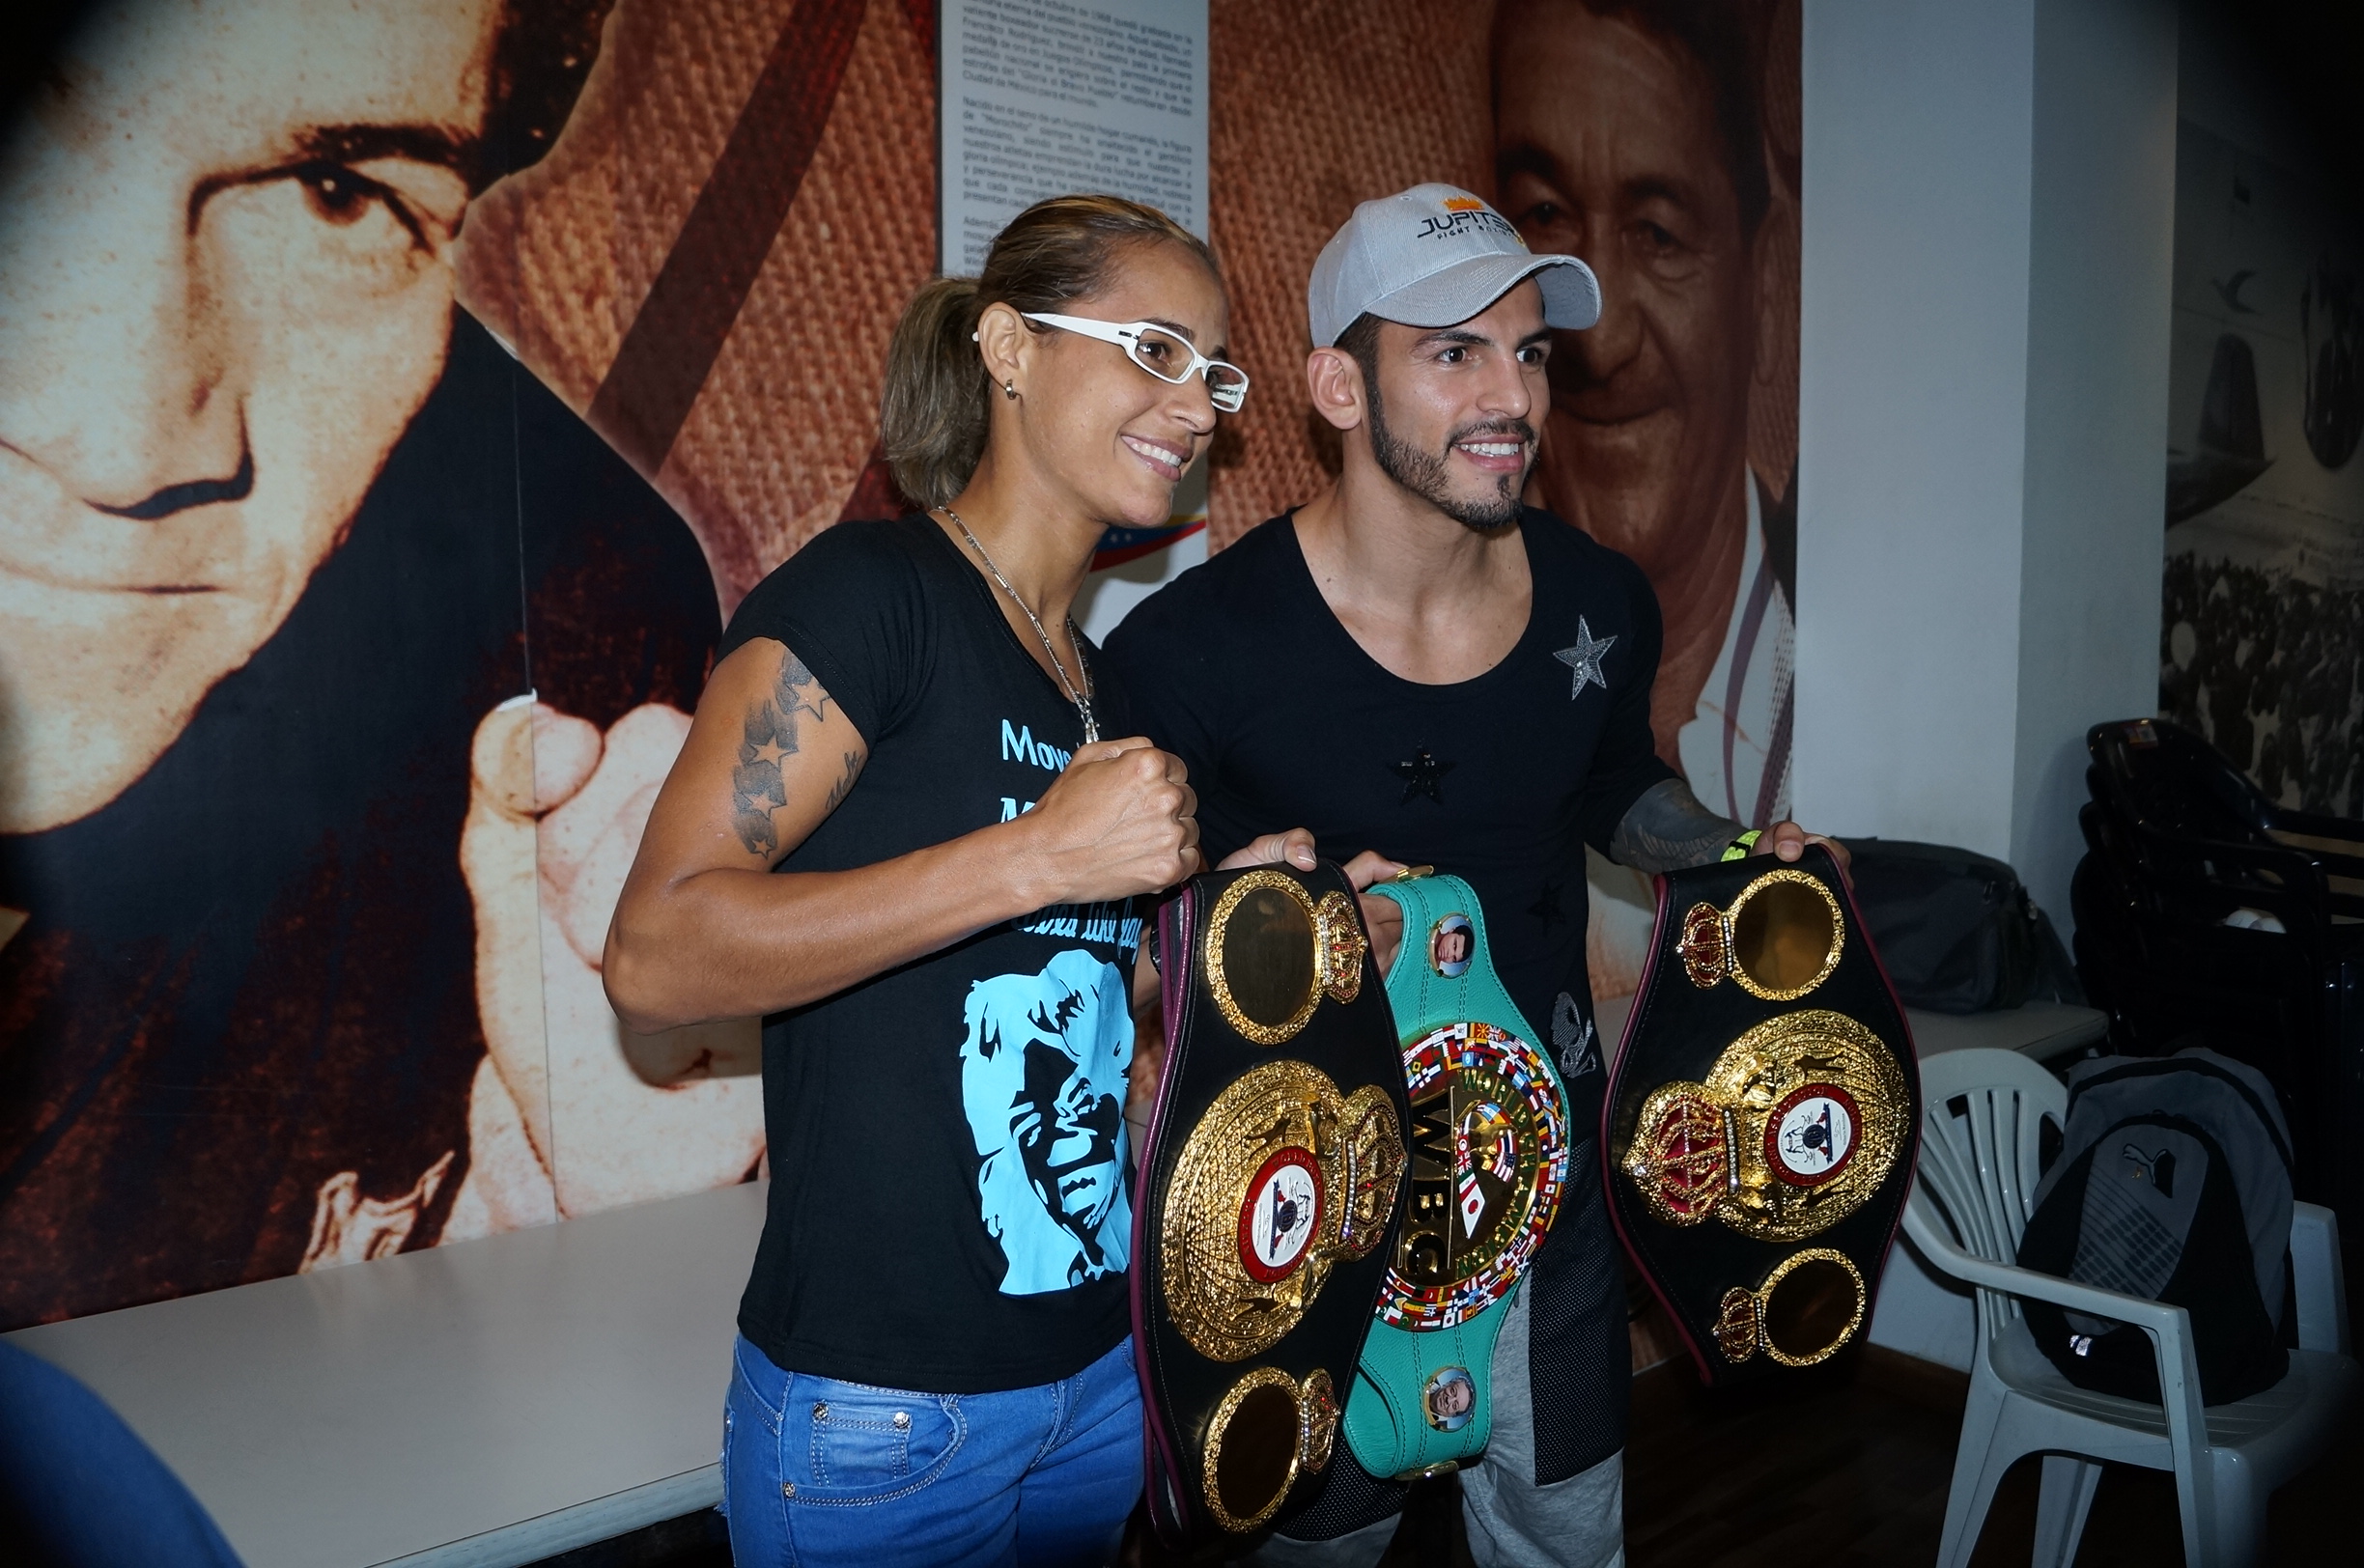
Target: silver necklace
{"points": [[1082, 699]]}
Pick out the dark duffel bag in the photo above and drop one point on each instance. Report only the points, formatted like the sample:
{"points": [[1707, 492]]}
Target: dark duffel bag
{"points": [[1956, 928]]}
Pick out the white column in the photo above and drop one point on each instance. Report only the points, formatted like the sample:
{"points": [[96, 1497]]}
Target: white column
{"points": [[1988, 239], [1912, 415], [2101, 275]]}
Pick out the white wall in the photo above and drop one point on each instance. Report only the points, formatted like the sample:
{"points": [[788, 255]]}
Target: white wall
{"points": [[1989, 218], [1912, 415], [2101, 269]]}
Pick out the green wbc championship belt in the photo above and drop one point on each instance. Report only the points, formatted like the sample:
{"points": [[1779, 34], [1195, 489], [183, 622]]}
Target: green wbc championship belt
{"points": [[1489, 1144]]}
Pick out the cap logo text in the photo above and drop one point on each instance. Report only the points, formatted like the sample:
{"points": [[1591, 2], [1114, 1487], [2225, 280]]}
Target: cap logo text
{"points": [[1473, 218]]}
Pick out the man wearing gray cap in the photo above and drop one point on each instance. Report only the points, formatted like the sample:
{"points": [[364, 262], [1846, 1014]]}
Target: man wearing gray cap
{"points": [[1416, 668]]}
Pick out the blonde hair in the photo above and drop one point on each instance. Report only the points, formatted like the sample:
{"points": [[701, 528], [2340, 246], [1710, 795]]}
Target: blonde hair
{"points": [[933, 413]]}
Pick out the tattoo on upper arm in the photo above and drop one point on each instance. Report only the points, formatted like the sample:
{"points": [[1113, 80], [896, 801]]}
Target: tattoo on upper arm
{"points": [[845, 782], [767, 735], [1667, 829]]}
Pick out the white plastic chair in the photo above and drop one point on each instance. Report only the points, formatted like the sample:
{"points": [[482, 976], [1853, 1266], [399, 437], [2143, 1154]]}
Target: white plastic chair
{"points": [[1969, 1204]]}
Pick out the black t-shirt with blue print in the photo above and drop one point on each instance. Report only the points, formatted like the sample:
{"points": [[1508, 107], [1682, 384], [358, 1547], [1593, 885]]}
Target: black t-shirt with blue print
{"points": [[950, 1207]]}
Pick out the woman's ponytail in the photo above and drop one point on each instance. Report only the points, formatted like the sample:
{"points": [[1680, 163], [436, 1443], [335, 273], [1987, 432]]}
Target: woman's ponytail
{"points": [[932, 418]]}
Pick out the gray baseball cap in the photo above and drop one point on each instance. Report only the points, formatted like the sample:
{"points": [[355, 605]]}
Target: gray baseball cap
{"points": [[1434, 256]]}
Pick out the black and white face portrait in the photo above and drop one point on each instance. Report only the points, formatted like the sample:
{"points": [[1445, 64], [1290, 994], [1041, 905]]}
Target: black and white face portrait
{"points": [[226, 280], [1042, 1084]]}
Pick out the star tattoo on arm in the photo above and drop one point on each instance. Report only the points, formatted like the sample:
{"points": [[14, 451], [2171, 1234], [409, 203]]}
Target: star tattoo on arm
{"points": [[767, 735], [1667, 829]]}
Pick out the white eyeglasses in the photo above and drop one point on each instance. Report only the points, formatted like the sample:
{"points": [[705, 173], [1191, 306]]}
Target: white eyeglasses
{"points": [[1159, 352]]}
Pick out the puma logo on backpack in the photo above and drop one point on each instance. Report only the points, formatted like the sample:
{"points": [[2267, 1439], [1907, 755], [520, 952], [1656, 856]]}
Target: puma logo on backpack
{"points": [[2173, 1184]]}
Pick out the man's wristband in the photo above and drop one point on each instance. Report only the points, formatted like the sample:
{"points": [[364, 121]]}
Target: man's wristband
{"points": [[1738, 848]]}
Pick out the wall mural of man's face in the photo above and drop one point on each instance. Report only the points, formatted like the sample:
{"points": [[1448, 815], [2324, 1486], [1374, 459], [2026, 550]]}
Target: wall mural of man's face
{"points": [[1607, 148], [226, 280]]}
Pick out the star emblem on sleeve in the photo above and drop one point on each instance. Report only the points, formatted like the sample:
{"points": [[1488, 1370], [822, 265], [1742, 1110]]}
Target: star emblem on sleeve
{"points": [[1423, 774], [1585, 659]]}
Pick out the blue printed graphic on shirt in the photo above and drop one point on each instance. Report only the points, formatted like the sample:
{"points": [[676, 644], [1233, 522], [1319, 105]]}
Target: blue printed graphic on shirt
{"points": [[1042, 1080]]}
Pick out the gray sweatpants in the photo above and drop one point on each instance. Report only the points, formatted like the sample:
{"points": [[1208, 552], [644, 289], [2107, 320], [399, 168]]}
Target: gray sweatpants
{"points": [[1513, 1523]]}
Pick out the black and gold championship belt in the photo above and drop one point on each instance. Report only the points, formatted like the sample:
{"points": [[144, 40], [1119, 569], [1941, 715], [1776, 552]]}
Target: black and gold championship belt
{"points": [[1763, 1115], [1268, 1194]]}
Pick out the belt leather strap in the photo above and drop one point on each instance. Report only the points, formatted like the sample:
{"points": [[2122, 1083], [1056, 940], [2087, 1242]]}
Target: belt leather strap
{"points": [[1489, 1140]]}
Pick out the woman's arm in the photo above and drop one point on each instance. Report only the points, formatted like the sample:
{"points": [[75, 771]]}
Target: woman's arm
{"points": [[705, 930]]}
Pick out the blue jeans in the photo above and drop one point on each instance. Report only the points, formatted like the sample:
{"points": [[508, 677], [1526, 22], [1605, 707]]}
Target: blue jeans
{"points": [[79, 1486], [819, 1472]]}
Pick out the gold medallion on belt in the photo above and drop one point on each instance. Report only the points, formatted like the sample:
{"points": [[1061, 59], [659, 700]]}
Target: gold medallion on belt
{"points": [[1795, 1127], [1282, 1178]]}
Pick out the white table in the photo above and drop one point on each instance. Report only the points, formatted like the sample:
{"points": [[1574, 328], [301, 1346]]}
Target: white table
{"points": [[490, 1402], [2043, 1031]]}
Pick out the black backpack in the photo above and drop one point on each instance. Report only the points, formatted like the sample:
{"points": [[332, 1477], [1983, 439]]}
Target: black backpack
{"points": [[1956, 928], [2173, 1184]]}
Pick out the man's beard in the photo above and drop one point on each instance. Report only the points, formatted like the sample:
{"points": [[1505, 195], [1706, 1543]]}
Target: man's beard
{"points": [[1425, 474]]}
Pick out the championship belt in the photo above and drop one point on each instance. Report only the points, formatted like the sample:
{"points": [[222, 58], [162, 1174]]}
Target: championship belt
{"points": [[1268, 1193], [1490, 1160], [1763, 1115]]}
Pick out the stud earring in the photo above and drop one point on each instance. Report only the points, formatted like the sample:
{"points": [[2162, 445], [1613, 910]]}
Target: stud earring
{"points": [[1009, 390]]}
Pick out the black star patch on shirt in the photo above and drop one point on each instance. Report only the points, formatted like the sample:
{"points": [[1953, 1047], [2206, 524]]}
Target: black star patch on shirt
{"points": [[1546, 908], [1423, 775]]}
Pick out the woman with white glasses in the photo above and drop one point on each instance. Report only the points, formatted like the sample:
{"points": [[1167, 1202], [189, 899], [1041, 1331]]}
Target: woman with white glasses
{"points": [[910, 824]]}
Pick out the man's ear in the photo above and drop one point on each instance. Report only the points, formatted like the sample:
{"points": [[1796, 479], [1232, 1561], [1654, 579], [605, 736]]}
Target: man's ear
{"points": [[1336, 381], [1006, 344]]}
